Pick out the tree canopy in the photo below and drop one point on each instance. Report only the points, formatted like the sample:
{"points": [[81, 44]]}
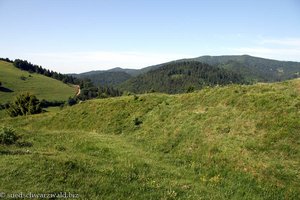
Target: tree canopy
{"points": [[179, 77]]}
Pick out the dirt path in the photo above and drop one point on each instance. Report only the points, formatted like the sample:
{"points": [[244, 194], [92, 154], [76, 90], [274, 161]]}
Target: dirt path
{"points": [[78, 90]]}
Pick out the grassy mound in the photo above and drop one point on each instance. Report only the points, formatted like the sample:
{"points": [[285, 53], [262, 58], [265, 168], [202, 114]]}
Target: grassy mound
{"points": [[233, 142]]}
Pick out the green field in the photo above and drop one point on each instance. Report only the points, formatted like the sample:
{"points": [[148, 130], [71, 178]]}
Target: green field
{"points": [[233, 142], [41, 86]]}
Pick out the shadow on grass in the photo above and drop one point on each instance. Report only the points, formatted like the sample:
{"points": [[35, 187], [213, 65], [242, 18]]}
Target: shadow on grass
{"points": [[13, 152], [3, 89]]}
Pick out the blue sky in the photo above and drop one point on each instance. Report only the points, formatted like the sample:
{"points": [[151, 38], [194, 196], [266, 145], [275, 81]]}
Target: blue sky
{"points": [[77, 36]]}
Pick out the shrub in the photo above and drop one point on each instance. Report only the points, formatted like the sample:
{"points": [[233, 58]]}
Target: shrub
{"points": [[24, 104], [151, 90], [4, 106], [137, 121], [190, 89], [46, 104], [7, 136], [135, 97], [71, 101]]}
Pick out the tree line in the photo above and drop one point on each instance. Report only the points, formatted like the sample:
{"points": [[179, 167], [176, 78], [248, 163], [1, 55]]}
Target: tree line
{"points": [[6, 60], [31, 68]]}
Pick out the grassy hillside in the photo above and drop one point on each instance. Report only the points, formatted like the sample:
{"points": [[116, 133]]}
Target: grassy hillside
{"points": [[233, 142], [179, 77], [15, 81]]}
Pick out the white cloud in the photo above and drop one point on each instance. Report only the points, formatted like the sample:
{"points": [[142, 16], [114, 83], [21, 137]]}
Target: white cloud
{"points": [[76, 62]]}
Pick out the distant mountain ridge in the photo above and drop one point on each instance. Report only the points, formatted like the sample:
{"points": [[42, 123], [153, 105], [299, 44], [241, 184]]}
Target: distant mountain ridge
{"points": [[111, 77], [253, 69], [132, 72], [105, 78]]}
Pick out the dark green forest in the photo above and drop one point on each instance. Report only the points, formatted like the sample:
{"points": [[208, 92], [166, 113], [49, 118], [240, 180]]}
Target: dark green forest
{"points": [[180, 77], [89, 91]]}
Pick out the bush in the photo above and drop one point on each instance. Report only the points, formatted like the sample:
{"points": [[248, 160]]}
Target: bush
{"points": [[46, 104], [25, 104], [137, 121], [4, 106], [71, 101], [7, 136], [151, 90], [190, 89], [135, 97]]}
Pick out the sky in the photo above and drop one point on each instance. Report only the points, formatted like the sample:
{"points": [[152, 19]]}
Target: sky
{"points": [[72, 36]]}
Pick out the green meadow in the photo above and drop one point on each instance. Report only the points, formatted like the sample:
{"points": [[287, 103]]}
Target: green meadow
{"points": [[232, 142], [15, 81]]}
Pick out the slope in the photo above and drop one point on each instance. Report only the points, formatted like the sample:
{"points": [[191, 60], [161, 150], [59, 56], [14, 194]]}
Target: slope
{"points": [[178, 77], [15, 81], [232, 142]]}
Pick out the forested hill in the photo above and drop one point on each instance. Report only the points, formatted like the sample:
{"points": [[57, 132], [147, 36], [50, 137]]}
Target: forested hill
{"points": [[255, 68], [178, 77], [111, 77], [131, 72]]}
